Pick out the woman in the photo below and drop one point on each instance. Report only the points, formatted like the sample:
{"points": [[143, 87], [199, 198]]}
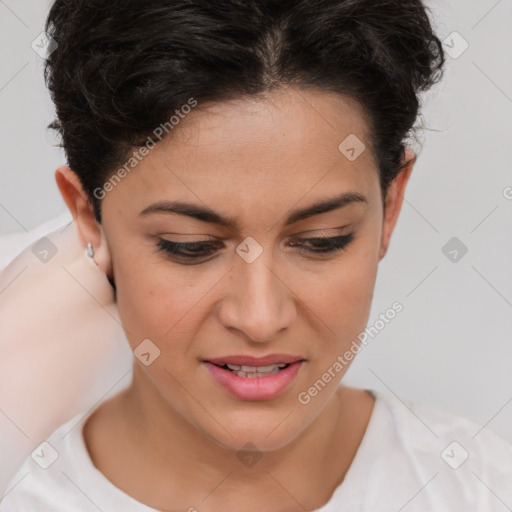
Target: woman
{"points": [[236, 170]]}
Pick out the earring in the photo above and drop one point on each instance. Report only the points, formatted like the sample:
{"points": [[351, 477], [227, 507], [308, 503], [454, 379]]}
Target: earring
{"points": [[89, 251]]}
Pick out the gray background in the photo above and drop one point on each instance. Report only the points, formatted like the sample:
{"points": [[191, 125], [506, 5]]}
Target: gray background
{"points": [[451, 345]]}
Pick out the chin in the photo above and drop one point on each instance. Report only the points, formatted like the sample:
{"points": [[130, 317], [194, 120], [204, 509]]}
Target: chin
{"points": [[265, 432]]}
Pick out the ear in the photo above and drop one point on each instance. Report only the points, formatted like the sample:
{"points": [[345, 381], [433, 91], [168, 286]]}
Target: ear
{"points": [[89, 230], [394, 199]]}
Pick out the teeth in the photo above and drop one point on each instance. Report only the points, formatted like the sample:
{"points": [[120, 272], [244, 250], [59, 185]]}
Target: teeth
{"points": [[251, 372], [253, 375], [259, 369], [264, 369]]}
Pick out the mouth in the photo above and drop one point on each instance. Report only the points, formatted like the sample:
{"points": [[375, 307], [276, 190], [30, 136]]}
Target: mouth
{"points": [[249, 378], [251, 372]]}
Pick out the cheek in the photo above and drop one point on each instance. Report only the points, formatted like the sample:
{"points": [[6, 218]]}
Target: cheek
{"points": [[344, 303], [159, 300], [342, 294]]}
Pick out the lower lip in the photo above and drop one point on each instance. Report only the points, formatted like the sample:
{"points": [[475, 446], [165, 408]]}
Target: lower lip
{"points": [[257, 388]]}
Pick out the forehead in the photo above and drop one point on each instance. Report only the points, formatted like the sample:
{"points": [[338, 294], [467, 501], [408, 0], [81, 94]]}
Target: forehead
{"points": [[258, 151], [271, 125]]}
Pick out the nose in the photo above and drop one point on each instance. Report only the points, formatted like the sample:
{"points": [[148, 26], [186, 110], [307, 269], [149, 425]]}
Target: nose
{"points": [[260, 303]]}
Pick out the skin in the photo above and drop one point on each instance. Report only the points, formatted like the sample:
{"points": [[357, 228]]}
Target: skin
{"points": [[170, 440]]}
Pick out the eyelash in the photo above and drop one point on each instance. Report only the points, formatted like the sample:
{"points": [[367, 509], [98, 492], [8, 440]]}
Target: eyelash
{"points": [[321, 245]]}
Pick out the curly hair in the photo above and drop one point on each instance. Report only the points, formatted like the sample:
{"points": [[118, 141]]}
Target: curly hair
{"points": [[122, 67]]}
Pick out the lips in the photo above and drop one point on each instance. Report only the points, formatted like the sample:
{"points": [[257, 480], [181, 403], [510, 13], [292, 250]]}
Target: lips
{"points": [[255, 378], [245, 360]]}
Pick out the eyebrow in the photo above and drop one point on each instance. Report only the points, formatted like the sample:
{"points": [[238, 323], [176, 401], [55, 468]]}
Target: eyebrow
{"points": [[206, 214]]}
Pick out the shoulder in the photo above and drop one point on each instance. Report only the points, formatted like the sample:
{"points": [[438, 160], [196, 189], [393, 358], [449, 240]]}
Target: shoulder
{"points": [[449, 458], [49, 471], [426, 425], [60, 476]]}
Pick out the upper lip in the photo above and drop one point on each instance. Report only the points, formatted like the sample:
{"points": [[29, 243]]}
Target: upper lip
{"points": [[256, 361]]}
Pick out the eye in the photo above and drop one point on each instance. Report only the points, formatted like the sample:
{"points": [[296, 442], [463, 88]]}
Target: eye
{"points": [[322, 244], [199, 250], [188, 250]]}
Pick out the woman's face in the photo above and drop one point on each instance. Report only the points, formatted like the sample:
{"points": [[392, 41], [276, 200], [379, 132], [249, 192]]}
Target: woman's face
{"points": [[266, 285]]}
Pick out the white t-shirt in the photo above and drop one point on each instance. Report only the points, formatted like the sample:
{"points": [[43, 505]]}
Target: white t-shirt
{"points": [[413, 458]]}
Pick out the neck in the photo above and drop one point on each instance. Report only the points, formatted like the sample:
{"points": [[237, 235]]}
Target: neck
{"points": [[188, 467]]}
